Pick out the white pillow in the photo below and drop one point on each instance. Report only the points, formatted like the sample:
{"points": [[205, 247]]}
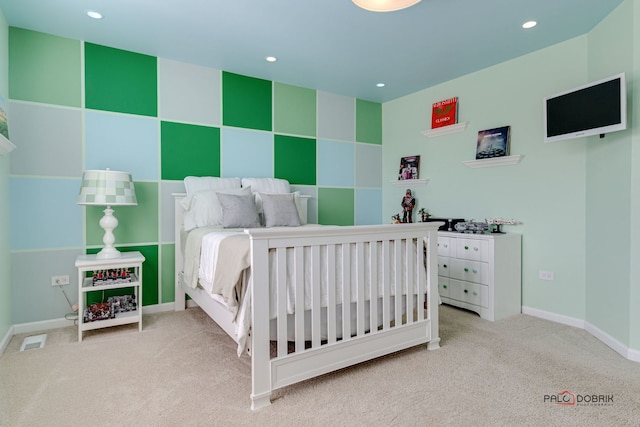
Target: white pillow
{"points": [[267, 185], [280, 210], [203, 208], [199, 183], [238, 211]]}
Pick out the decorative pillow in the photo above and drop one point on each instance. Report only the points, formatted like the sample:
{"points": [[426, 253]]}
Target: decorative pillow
{"points": [[203, 208], [280, 210], [267, 185], [238, 211], [193, 184]]}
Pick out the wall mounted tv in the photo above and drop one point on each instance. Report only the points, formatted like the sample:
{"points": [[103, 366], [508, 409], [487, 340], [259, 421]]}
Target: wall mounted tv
{"points": [[596, 108]]}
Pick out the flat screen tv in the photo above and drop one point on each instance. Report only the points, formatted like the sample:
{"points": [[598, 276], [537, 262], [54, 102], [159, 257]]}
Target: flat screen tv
{"points": [[596, 108]]}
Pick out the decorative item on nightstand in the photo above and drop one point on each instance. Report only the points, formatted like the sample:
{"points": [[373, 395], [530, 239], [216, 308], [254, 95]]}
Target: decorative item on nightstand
{"points": [[107, 188]]}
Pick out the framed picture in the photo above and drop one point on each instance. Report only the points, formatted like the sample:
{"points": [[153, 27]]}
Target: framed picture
{"points": [[493, 143], [409, 167]]}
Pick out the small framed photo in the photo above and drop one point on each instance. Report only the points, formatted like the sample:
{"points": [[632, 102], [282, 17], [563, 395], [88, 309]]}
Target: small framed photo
{"points": [[409, 167], [493, 143]]}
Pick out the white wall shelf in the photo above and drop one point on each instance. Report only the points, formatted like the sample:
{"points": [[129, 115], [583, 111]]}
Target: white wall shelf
{"points": [[445, 130], [410, 182], [6, 146], [495, 161]]}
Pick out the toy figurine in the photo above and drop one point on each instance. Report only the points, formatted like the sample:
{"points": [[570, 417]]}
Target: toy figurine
{"points": [[408, 203]]}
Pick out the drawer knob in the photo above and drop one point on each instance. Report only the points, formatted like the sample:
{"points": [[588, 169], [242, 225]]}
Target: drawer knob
{"points": [[444, 266], [466, 269], [475, 249], [474, 270], [466, 248], [444, 286], [466, 291], [475, 293]]}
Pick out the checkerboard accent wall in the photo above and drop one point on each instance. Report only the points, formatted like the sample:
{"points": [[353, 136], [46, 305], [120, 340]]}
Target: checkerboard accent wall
{"points": [[75, 105]]}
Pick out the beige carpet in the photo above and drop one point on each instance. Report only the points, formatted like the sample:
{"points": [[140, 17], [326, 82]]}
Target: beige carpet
{"points": [[182, 370]]}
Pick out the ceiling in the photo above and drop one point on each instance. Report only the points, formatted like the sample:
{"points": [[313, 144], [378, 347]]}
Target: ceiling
{"points": [[329, 45]]}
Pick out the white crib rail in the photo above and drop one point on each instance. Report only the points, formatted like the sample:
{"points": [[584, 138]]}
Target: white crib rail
{"points": [[374, 267]]}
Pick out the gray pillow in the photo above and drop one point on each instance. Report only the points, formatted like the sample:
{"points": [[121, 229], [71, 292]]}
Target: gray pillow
{"points": [[279, 210], [238, 211]]}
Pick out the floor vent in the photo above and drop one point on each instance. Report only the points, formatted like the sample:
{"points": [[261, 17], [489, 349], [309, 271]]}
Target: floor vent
{"points": [[34, 342]]}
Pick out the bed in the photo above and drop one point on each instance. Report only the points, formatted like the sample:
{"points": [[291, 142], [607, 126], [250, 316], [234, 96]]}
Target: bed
{"points": [[303, 300]]}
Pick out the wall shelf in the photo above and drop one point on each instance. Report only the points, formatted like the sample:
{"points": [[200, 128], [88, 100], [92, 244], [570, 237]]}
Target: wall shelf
{"points": [[410, 182], [6, 146], [495, 161], [445, 130]]}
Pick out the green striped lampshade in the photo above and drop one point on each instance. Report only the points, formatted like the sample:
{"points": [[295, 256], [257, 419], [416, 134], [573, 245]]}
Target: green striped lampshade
{"points": [[107, 188]]}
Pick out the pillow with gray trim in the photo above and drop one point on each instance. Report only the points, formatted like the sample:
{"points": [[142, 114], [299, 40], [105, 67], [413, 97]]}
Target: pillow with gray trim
{"points": [[279, 210], [238, 211]]}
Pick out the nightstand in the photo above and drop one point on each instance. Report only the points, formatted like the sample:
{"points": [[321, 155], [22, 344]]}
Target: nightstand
{"points": [[113, 273]]}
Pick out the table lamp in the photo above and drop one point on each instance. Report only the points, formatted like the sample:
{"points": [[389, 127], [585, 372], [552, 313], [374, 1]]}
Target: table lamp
{"points": [[107, 188]]}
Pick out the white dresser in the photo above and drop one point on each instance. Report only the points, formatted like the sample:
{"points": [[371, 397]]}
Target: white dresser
{"points": [[481, 272]]}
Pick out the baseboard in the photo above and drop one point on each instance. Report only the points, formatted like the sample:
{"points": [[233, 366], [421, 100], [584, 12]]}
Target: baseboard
{"points": [[5, 341], [158, 308], [614, 344], [556, 318], [25, 328]]}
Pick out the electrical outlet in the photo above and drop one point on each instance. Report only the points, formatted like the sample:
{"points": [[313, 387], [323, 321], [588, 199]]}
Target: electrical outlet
{"points": [[545, 275], [59, 280]]}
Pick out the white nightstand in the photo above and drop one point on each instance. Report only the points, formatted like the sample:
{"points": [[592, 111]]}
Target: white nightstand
{"points": [[131, 261]]}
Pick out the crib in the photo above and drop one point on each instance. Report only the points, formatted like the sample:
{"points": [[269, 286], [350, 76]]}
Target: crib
{"points": [[317, 299]]}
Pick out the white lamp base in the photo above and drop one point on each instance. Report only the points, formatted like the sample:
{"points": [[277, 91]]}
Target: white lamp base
{"points": [[108, 223]]}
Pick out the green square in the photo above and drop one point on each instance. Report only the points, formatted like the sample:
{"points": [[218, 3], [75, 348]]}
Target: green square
{"points": [[246, 102], [44, 68], [149, 277], [336, 206], [135, 223], [295, 110], [120, 81], [368, 122], [189, 150], [168, 280], [295, 159]]}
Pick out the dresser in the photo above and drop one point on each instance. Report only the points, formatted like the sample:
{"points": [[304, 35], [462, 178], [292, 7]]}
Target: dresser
{"points": [[481, 272]]}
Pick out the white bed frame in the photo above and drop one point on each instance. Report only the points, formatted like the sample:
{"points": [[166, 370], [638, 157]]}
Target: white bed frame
{"points": [[371, 340]]}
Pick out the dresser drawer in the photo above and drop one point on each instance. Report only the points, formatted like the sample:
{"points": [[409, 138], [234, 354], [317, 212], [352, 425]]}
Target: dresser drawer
{"points": [[444, 266], [470, 271], [472, 249], [444, 244], [471, 293], [443, 286]]}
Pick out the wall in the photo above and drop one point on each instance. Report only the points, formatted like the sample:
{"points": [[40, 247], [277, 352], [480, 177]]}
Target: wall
{"points": [[545, 192], [162, 120], [610, 166], [5, 267], [574, 200]]}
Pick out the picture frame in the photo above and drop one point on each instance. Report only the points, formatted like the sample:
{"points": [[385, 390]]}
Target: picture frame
{"points": [[409, 168], [493, 143]]}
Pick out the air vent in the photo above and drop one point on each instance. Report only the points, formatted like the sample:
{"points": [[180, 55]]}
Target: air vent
{"points": [[33, 342]]}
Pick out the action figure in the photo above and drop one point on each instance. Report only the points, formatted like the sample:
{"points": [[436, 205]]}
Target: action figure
{"points": [[408, 203]]}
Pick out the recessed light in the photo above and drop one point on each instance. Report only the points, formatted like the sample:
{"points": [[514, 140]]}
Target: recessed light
{"points": [[380, 84], [529, 24], [93, 14], [271, 58]]}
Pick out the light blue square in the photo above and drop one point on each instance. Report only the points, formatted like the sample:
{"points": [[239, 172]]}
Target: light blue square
{"points": [[246, 153], [44, 213], [122, 142], [335, 164], [369, 207]]}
